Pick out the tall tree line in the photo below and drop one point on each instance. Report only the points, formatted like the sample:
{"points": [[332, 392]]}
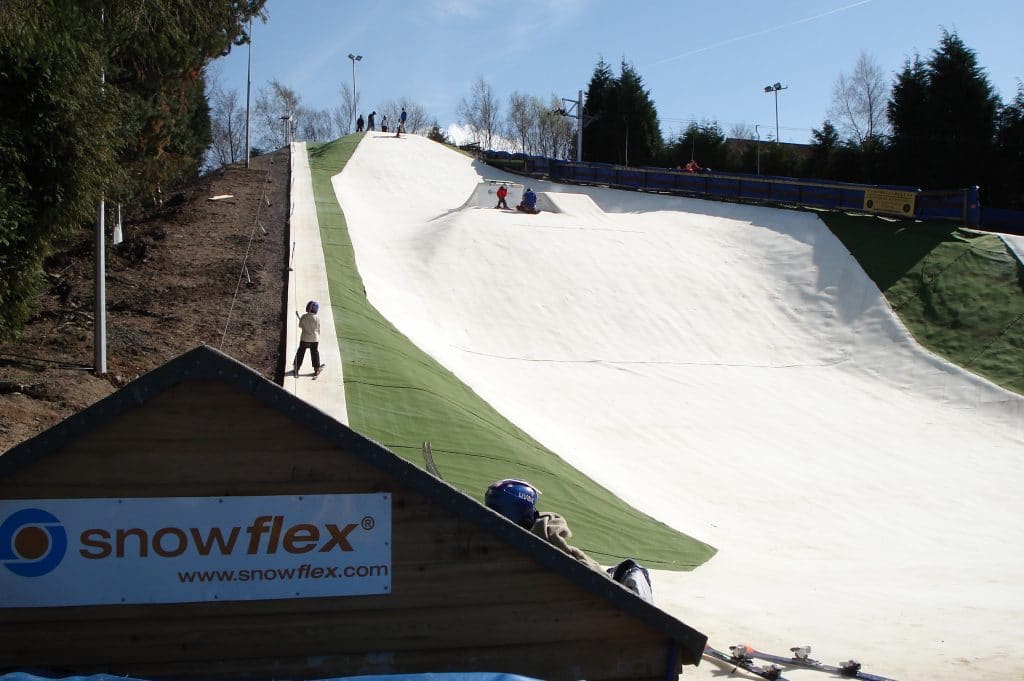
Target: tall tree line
{"points": [[937, 123], [101, 99]]}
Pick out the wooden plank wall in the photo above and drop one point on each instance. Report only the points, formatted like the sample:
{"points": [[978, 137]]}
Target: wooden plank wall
{"points": [[461, 600]]}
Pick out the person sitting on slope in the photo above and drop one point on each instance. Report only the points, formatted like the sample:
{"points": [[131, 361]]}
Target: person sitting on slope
{"points": [[517, 499], [529, 202]]}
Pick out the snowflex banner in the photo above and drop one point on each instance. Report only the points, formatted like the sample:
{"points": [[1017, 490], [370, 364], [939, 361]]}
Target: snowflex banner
{"points": [[57, 552]]}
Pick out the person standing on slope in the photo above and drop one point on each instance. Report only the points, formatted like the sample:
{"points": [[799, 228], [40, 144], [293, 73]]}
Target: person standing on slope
{"points": [[401, 123], [502, 193], [359, 123], [384, 123], [369, 121], [309, 324], [517, 500]]}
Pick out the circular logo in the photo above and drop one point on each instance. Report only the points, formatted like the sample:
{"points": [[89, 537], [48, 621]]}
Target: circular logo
{"points": [[32, 542]]}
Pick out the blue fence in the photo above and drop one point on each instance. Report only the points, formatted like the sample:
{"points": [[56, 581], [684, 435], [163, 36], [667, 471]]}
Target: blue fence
{"points": [[961, 205], [1002, 220]]}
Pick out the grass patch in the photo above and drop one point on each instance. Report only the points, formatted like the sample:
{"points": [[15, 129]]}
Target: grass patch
{"points": [[400, 397], [960, 293]]}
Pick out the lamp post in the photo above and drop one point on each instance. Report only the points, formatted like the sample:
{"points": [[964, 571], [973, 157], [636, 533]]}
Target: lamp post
{"points": [[758, 133], [248, 97], [354, 58], [775, 89], [286, 120]]}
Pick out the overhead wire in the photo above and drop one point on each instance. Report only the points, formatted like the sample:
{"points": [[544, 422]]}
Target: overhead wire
{"points": [[248, 249]]}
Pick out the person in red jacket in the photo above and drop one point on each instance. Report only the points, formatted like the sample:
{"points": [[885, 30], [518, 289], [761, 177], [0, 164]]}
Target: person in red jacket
{"points": [[502, 193]]}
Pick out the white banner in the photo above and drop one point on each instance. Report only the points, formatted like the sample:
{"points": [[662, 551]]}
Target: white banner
{"points": [[57, 552]]}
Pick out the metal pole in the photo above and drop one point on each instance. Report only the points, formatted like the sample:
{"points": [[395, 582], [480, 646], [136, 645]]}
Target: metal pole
{"points": [[100, 313], [248, 96], [776, 115], [579, 128], [758, 133], [99, 285], [355, 104]]}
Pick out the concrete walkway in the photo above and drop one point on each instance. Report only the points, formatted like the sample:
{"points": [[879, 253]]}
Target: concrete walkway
{"points": [[307, 280]]}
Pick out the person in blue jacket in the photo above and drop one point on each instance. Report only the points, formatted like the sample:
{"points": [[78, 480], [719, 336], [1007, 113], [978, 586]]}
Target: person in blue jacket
{"points": [[529, 202]]}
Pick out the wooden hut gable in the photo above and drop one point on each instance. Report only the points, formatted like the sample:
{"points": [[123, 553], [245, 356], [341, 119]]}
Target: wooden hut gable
{"points": [[466, 590]]}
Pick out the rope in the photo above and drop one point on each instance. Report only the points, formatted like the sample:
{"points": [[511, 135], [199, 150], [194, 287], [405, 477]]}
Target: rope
{"points": [[245, 259]]}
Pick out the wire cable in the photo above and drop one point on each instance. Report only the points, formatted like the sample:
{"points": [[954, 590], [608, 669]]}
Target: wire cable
{"points": [[248, 249]]}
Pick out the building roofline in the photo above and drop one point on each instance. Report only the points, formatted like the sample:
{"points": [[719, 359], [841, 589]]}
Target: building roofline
{"points": [[207, 363]]}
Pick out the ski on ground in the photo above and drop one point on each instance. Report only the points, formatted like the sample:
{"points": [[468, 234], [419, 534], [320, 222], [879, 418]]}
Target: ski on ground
{"points": [[851, 669], [746, 663]]}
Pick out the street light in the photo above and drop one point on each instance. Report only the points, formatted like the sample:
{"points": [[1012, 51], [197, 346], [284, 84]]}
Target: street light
{"points": [[758, 133], [775, 88], [354, 58], [286, 119]]}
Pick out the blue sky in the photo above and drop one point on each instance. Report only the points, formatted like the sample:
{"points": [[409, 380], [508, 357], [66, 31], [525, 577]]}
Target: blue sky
{"points": [[700, 60]]}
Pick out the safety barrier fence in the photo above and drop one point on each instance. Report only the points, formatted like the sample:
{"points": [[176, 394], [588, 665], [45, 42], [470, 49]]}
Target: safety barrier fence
{"points": [[960, 205], [1002, 220]]}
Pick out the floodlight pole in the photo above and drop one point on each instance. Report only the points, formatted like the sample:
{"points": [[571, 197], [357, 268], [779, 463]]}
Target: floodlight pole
{"points": [[576, 111], [248, 96], [287, 119], [354, 58], [100, 279], [775, 89], [758, 133]]}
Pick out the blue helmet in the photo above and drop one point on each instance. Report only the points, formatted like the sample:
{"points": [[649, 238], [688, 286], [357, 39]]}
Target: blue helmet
{"points": [[514, 499], [313, 306]]}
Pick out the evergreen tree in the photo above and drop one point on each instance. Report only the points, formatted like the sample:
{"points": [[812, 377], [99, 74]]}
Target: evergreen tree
{"points": [[824, 143], [625, 128], [639, 118], [1009, 192], [944, 118], [68, 141], [56, 139], [963, 108], [908, 116], [598, 136], [703, 142]]}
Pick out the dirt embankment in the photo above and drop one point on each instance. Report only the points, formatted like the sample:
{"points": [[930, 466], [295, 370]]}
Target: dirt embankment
{"points": [[190, 271]]}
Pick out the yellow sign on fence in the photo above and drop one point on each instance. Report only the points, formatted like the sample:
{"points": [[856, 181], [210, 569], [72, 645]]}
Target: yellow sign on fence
{"points": [[889, 201]]}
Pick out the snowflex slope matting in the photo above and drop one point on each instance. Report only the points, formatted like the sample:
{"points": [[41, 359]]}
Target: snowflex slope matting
{"points": [[731, 371]]}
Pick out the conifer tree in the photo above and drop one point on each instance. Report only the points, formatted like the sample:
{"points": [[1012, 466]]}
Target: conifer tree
{"points": [[624, 126], [101, 99], [944, 118]]}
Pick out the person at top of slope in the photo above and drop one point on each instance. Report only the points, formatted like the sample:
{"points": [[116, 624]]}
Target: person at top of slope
{"points": [[401, 123], [517, 501], [529, 202]]}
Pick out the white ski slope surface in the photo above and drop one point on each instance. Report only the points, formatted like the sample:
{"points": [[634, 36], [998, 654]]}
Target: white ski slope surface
{"points": [[731, 371]]}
